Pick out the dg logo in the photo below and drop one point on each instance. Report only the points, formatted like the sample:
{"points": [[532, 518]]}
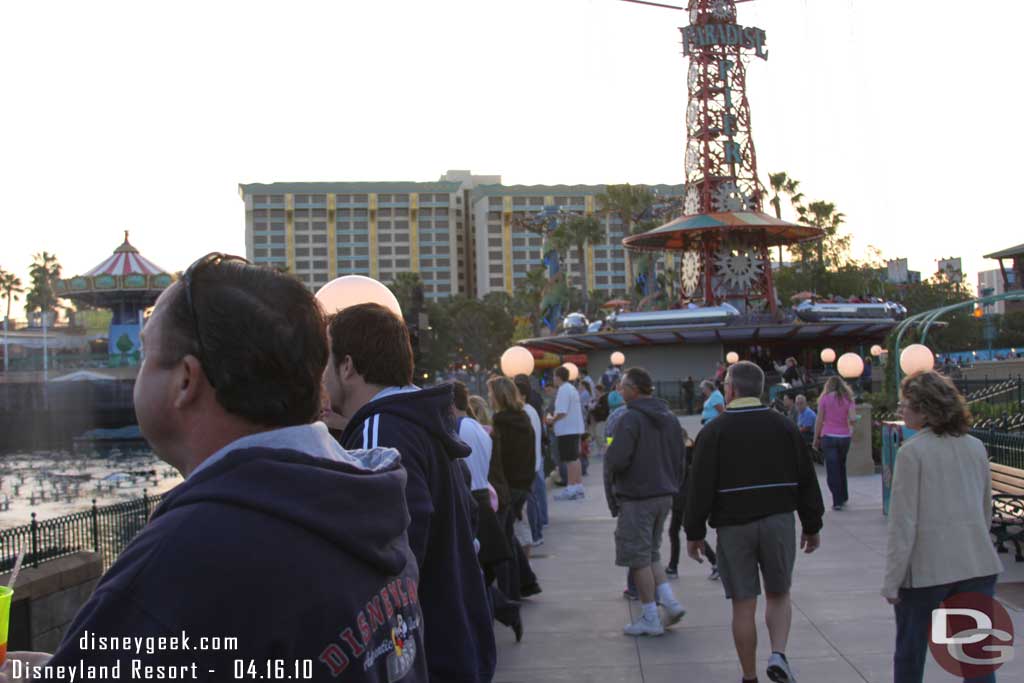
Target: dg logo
{"points": [[971, 635]]}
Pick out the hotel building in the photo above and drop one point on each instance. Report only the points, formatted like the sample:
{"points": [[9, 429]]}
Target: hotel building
{"points": [[464, 234]]}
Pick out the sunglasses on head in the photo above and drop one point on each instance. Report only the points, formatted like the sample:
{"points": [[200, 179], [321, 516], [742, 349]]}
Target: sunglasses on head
{"points": [[213, 258]]}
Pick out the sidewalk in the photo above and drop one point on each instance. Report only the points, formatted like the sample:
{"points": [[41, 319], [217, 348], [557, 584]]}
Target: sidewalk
{"points": [[843, 630]]}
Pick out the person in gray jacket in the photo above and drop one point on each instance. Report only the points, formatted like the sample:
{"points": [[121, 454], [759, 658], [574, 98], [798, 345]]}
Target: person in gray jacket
{"points": [[643, 469]]}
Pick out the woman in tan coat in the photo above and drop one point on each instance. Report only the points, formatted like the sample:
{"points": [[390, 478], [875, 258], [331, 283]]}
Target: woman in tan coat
{"points": [[939, 517]]}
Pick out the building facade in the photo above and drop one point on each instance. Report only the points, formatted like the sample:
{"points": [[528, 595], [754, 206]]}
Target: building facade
{"points": [[990, 283], [465, 234]]}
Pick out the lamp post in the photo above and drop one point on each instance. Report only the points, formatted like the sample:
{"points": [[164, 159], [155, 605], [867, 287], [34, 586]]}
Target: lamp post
{"points": [[916, 358], [732, 357], [516, 360], [828, 356], [618, 359], [574, 371]]}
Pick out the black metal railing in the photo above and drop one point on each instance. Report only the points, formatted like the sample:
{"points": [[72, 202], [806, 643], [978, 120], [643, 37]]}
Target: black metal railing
{"points": [[1003, 448], [106, 530]]}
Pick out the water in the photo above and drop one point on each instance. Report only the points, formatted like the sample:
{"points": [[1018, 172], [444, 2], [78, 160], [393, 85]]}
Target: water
{"points": [[52, 483]]}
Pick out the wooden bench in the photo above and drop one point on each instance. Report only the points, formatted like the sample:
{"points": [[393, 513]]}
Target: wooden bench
{"points": [[1008, 508]]}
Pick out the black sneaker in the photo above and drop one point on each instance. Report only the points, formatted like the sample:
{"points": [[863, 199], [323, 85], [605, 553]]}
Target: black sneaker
{"points": [[672, 571]]}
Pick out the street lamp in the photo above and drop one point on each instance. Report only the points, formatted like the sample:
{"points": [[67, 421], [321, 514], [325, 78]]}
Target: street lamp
{"points": [[574, 372], [516, 360], [352, 290], [618, 359], [850, 366], [828, 356], [876, 350], [916, 358], [732, 357]]}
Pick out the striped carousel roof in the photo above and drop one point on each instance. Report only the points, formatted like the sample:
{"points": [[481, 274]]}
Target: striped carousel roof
{"points": [[126, 260]]}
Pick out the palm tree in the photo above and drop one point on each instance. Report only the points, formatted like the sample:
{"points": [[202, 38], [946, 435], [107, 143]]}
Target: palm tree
{"points": [[630, 203], [579, 231], [45, 271], [10, 285]]}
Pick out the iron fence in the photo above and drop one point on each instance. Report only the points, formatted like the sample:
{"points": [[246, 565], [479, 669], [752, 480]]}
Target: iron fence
{"points": [[106, 530], [1003, 448]]}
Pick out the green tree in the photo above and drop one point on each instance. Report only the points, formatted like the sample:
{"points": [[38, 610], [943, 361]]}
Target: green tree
{"points": [[404, 287], [481, 330], [632, 204], [578, 232], [10, 285], [781, 184], [45, 272]]}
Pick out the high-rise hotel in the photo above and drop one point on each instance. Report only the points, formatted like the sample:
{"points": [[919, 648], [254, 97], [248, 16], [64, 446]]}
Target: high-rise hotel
{"points": [[464, 234]]}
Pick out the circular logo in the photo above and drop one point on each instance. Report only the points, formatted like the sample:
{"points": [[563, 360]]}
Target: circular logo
{"points": [[971, 635]]}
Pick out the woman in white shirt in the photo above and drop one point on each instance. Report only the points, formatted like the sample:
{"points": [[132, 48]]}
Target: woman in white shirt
{"points": [[939, 519]]}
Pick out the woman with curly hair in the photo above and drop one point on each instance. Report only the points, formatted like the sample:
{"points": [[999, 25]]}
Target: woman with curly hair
{"points": [[939, 517]]}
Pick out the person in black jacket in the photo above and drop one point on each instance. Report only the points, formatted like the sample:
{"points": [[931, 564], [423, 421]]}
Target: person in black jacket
{"points": [[643, 470], [369, 380], [278, 536], [514, 454], [751, 469]]}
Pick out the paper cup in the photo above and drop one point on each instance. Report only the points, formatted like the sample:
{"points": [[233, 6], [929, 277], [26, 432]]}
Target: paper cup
{"points": [[5, 620]]}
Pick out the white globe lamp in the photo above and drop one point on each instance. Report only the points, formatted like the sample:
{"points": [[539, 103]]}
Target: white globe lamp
{"points": [[916, 358], [618, 358], [732, 357], [876, 350], [850, 366], [517, 360], [828, 356], [574, 371], [352, 290]]}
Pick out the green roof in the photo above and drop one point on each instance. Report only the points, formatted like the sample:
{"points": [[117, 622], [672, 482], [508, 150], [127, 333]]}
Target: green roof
{"points": [[1008, 253], [346, 187]]}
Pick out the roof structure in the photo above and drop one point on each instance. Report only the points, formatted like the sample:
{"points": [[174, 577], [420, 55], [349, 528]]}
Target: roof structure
{"points": [[245, 189], [854, 330], [126, 260], [683, 233], [1008, 253]]}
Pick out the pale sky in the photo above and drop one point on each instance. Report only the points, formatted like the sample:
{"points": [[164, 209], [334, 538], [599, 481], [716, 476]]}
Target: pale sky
{"points": [[146, 116]]}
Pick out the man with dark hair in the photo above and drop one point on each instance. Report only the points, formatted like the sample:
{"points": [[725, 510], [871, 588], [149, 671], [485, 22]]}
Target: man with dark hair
{"points": [[369, 380], [643, 470], [567, 423], [751, 469], [278, 536]]}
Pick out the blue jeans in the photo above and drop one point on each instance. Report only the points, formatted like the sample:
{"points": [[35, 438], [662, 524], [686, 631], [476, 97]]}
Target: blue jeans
{"points": [[537, 508], [835, 449], [914, 621]]}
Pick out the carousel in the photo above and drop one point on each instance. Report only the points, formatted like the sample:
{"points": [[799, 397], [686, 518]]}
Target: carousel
{"points": [[127, 284], [723, 239]]}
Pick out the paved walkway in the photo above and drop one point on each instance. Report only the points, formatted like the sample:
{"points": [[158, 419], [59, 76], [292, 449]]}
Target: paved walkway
{"points": [[843, 630]]}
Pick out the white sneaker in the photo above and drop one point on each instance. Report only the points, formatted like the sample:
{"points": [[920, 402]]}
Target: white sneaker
{"points": [[779, 671], [674, 612], [565, 494], [644, 627]]}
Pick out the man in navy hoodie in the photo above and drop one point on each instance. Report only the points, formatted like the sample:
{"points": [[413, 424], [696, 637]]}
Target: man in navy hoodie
{"points": [[278, 537], [369, 380]]}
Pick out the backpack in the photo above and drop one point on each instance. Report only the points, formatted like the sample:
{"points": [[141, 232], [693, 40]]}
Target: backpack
{"points": [[600, 411]]}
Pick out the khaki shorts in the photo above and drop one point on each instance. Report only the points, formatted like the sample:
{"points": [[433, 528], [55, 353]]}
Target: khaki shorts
{"points": [[641, 524], [765, 547]]}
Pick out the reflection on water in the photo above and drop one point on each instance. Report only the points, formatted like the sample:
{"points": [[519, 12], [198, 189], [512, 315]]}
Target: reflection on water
{"points": [[57, 482]]}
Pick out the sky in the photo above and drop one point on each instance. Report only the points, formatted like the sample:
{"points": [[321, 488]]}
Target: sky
{"points": [[146, 116]]}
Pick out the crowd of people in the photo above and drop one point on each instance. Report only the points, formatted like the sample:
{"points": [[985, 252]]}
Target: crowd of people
{"points": [[335, 514]]}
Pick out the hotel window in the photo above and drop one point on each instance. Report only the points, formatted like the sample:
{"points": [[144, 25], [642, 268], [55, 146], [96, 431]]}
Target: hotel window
{"points": [[385, 263], [360, 199], [384, 212], [494, 241], [443, 262], [259, 239], [318, 198], [383, 236], [318, 213], [495, 268], [441, 224], [277, 213], [493, 229], [319, 265], [361, 251], [257, 253], [402, 212], [343, 213], [495, 201], [260, 198], [384, 250], [426, 250], [402, 263], [344, 251], [277, 239], [426, 263], [343, 199], [302, 265], [344, 238], [383, 225], [401, 198], [495, 255], [277, 252], [361, 213], [259, 225], [383, 198], [401, 225], [402, 236], [361, 225], [319, 251], [302, 239], [277, 198], [403, 251], [260, 213], [536, 201], [497, 282], [319, 226], [302, 252], [320, 238]]}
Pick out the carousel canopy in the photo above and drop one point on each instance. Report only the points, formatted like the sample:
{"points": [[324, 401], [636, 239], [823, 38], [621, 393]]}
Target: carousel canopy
{"points": [[124, 275], [684, 232]]}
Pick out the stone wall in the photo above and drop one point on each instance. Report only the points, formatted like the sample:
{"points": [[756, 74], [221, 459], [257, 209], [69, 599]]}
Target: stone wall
{"points": [[47, 598]]}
